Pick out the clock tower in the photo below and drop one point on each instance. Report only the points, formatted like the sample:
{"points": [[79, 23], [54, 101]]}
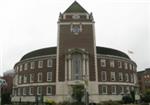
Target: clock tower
{"points": [[76, 50]]}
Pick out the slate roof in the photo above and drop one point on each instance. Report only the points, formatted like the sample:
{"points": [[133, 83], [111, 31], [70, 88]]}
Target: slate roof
{"points": [[75, 8], [52, 50]]}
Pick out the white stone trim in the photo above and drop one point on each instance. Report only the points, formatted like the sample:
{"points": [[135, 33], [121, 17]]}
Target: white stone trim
{"points": [[115, 58], [76, 13], [35, 84], [83, 23], [69, 63], [116, 83], [95, 55], [57, 56], [66, 68], [37, 58]]}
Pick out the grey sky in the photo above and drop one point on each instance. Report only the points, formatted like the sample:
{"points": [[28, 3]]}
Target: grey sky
{"points": [[27, 25]]}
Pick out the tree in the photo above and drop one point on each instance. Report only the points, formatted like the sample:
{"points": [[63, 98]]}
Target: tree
{"points": [[146, 97], [78, 92], [132, 92]]}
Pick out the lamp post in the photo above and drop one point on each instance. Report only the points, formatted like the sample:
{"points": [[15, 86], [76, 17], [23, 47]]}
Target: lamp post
{"points": [[2, 82]]}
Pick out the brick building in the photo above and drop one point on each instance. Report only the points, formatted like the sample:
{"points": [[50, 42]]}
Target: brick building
{"points": [[51, 72], [144, 80]]}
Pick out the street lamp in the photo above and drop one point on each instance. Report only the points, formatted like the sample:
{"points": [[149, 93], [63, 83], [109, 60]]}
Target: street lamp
{"points": [[2, 83]]}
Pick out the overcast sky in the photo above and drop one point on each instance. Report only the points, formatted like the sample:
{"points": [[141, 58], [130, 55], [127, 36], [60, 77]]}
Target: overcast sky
{"points": [[27, 25]]}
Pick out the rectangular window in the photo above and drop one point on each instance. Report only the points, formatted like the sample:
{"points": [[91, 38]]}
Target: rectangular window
{"points": [[119, 64], [49, 63], [19, 92], [39, 77], [24, 91], [103, 62], [120, 76], [104, 89], [113, 77], [103, 76], [113, 89], [130, 66], [17, 68], [25, 78], [31, 90], [132, 78], [39, 90], [112, 64], [49, 90], [31, 78], [127, 77], [134, 68], [49, 76], [20, 67], [20, 79], [121, 90], [127, 89], [25, 66], [125, 65], [40, 64], [32, 65]]}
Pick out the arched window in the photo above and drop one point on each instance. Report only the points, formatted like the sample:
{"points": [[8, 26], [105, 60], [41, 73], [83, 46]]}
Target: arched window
{"points": [[76, 66]]}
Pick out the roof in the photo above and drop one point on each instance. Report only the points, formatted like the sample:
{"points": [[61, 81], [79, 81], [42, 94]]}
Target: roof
{"points": [[110, 51], [75, 7], [52, 50], [40, 52]]}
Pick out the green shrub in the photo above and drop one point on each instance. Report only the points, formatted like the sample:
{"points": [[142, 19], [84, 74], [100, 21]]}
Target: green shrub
{"points": [[110, 103], [127, 99]]}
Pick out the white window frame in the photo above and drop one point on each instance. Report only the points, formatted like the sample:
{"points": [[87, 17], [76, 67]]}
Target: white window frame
{"points": [[120, 76], [25, 66], [30, 90], [47, 90], [31, 78], [132, 78], [49, 63], [112, 63], [127, 77], [127, 89], [20, 79], [130, 66], [19, 91], [103, 62], [105, 73], [103, 89], [122, 90], [17, 69], [113, 87], [39, 90], [126, 65], [40, 64], [113, 75], [40, 74], [24, 91], [25, 78], [21, 67], [119, 64], [49, 76], [32, 66]]}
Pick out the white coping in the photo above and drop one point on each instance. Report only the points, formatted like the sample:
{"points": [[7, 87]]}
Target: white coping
{"points": [[57, 99]]}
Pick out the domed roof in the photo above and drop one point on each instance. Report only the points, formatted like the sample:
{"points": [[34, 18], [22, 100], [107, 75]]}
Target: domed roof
{"points": [[110, 51], [52, 50]]}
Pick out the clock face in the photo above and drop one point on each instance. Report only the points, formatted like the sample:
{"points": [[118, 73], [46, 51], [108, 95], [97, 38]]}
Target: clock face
{"points": [[76, 29]]}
